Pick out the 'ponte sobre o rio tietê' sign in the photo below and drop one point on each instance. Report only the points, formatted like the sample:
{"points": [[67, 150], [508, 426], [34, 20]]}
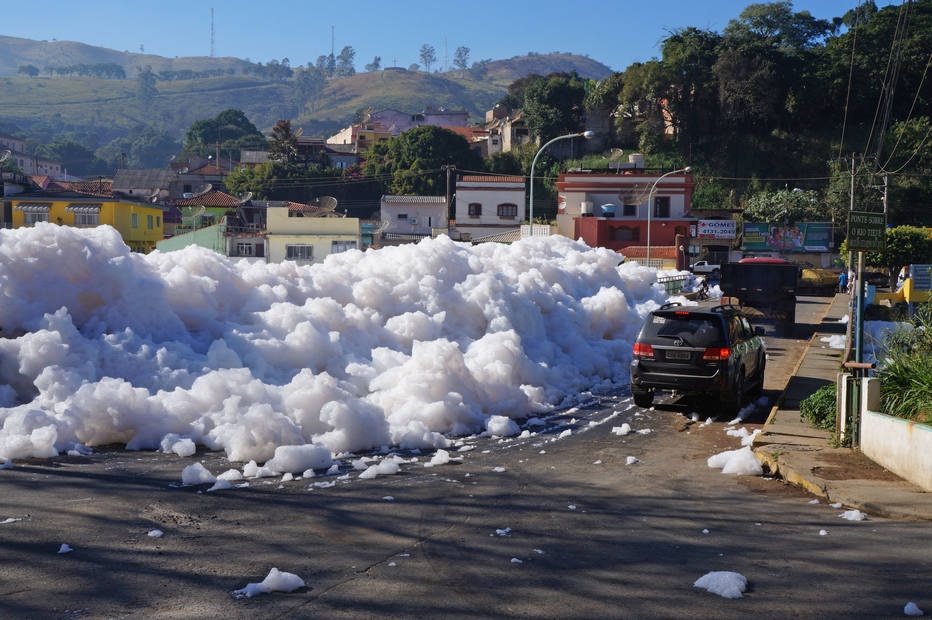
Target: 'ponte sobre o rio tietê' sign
{"points": [[866, 231]]}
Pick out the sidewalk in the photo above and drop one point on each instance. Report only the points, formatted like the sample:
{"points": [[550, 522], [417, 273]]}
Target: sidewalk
{"points": [[803, 455]]}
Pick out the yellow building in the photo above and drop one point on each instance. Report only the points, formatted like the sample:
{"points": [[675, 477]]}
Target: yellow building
{"points": [[140, 224], [292, 235]]}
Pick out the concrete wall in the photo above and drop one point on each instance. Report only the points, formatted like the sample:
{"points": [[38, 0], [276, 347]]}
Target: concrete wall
{"points": [[903, 447]]}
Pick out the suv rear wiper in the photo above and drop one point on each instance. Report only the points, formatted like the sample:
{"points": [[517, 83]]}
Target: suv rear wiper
{"points": [[676, 336]]}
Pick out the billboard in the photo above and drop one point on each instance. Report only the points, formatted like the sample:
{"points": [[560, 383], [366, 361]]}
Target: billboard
{"points": [[716, 229], [801, 237]]}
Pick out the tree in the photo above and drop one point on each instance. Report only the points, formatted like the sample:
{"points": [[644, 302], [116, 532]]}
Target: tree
{"points": [[691, 92], [76, 158], [344, 62], [785, 206], [30, 70], [229, 132], [327, 64], [283, 143], [427, 55], [554, 105], [639, 117], [903, 245], [413, 161], [461, 58], [776, 24], [146, 91], [309, 83], [375, 65], [143, 148]]}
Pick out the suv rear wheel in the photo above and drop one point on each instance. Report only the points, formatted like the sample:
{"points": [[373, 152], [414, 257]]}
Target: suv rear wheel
{"points": [[643, 398], [736, 399]]}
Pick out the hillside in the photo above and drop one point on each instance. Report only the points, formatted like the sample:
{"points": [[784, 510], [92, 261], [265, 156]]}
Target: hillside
{"points": [[49, 103]]}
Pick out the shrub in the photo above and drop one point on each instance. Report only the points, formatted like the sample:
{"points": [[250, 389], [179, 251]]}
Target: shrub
{"points": [[819, 407], [905, 373]]}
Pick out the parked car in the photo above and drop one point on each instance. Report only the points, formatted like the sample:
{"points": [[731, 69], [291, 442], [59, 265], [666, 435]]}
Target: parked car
{"points": [[700, 351], [706, 268]]}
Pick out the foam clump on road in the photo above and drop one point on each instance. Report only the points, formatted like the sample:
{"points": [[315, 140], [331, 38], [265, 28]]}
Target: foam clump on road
{"points": [[740, 462], [402, 347], [727, 584], [275, 581]]}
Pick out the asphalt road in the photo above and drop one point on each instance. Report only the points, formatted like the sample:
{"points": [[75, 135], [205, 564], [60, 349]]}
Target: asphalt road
{"points": [[552, 525]]}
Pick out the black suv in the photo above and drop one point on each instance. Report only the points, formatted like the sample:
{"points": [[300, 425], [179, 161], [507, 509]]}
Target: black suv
{"points": [[694, 350]]}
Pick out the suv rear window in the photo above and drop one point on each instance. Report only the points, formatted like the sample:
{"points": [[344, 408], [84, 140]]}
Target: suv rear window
{"points": [[695, 331]]}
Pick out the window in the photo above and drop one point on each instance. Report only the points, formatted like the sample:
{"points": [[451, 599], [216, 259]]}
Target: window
{"points": [[341, 246], [87, 220], [629, 210], [32, 218], [507, 211], [475, 209], [402, 216], [158, 220], [299, 252], [624, 233], [245, 249], [150, 222], [135, 220], [662, 206]]}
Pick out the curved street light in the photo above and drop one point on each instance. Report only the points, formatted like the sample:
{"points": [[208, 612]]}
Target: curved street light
{"points": [[650, 204], [585, 134]]}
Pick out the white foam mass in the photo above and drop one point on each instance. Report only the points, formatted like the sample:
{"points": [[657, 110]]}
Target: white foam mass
{"points": [[403, 346]]}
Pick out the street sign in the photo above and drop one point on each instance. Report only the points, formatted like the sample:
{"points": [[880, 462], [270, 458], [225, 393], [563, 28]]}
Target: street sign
{"points": [[866, 231]]}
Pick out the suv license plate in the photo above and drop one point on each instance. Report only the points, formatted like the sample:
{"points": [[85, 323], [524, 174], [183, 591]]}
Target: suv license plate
{"points": [[678, 355]]}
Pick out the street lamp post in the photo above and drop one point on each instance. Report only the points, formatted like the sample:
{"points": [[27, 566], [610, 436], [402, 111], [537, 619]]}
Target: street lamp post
{"points": [[585, 134], [650, 203]]}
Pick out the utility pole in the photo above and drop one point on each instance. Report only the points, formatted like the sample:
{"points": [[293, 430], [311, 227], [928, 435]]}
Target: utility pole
{"points": [[449, 168]]}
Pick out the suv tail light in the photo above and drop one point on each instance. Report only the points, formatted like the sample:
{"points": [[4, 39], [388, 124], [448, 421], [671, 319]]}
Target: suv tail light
{"points": [[716, 354], [643, 350]]}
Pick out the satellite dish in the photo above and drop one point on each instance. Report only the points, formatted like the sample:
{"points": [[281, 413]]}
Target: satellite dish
{"points": [[615, 154], [383, 226], [247, 197], [5, 155], [328, 204], [299, 132]]}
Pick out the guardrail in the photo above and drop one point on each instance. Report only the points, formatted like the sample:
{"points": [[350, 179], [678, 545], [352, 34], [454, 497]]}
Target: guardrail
{"points": [[673, 284]]}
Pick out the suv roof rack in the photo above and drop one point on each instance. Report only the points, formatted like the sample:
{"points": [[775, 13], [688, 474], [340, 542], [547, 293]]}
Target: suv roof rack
{"points": [[723, 307]]}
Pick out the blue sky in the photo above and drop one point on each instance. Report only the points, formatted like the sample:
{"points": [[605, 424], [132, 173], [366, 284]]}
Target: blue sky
{"points": [[615, 33]]}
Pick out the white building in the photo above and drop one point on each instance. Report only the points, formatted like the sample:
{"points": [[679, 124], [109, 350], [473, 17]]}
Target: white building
{"points": [[414, 215], [488, 205]]}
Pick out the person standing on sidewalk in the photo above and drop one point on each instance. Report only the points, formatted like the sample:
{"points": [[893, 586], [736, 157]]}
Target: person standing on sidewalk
{"points": [[843, 282]]}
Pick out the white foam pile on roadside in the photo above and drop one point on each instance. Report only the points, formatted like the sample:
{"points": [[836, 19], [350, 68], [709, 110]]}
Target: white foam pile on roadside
{"points": [[399, 347]]}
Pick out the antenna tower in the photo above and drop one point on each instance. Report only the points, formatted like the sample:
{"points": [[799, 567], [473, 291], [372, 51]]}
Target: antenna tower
{"points": [[211, 32]]}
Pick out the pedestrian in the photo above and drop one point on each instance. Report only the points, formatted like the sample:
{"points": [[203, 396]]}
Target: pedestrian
{"points": [[902, 277], [843, 282]]}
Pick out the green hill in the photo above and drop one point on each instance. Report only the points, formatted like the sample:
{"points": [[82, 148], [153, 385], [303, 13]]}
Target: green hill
{"points": [[53, 101]]}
